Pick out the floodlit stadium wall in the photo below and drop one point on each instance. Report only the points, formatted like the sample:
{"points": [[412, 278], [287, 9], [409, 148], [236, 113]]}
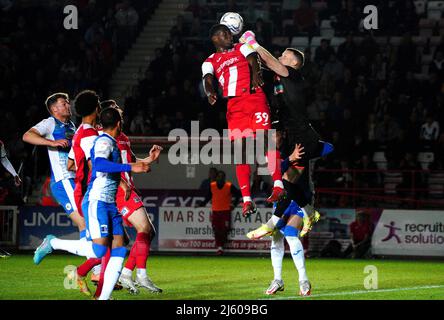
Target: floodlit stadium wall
{"points": [[183, 228]]}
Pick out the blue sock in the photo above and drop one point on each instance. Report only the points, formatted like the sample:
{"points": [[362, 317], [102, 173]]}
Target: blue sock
{"points": [[328, 148], [291, 231], [99, 250]]}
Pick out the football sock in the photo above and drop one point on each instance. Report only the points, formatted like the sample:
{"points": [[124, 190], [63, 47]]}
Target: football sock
{"points": [[98, 268], [271, 223], [277, 254], [142, 249], [112, 272], [131, 261], [105, 261], [86, 267], [79, 247], [243, 178], [141, 273], [127, 272], [296, 250]]}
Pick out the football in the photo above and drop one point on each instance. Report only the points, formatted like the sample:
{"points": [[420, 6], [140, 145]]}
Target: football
{"points": [[233, 21]]}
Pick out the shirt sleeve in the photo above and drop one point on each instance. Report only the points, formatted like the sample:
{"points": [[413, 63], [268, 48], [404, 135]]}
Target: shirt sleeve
{"points": [[246, 50], [207, 68], [102, 148], [2, 150], [71, 154], [86, 144], [45, 127]]}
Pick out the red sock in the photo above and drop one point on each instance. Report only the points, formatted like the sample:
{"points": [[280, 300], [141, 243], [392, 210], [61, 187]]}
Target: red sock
{"points": [[131, 262], [105, 260], [86, 267], [142, 249], [243, 177], [274, 164]]}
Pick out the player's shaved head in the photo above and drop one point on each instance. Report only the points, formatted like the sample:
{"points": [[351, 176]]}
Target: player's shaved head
{"points": [[109, 118], [109, 103], [299, 55], [52, 99], [217, 28], [86, 103]]}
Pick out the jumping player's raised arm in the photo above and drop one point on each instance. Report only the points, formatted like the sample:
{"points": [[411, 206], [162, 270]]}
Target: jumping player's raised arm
{"points": [[270, 61], [208, 79]]}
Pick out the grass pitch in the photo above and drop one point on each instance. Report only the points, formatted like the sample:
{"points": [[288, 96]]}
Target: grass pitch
{"points": [[234, 278]]}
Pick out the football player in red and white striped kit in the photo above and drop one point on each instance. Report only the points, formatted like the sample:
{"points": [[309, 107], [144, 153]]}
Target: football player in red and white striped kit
{"points": [[237, 70], [87, 106], [134, 214]]}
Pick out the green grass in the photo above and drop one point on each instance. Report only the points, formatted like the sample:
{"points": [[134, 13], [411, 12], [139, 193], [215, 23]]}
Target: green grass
{"points": [[198, 278]]}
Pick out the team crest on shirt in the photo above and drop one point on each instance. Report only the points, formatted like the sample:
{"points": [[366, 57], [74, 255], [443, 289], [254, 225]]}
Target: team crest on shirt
{"points": [[136, 200], [124, 211], [104, 228], [68, 206]]}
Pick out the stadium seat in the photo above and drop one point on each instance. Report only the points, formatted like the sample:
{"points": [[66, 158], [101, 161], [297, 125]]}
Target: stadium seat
{"points": [[434, 41], [290, 5], [391, 180], [382, 41], [435, 5], [436, 184], [425, 159], [395, 41], [420, 6], [419, 41], [380, 160], [281, 41], [426, 23], [300, 42], [426, 59], [337, 41], [316, 41], [434, 14], [327, 33], [319, 5], [425, 32]]}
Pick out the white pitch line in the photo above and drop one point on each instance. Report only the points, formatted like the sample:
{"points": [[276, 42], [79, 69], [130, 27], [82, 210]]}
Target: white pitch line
{"points": [[356, 292]]}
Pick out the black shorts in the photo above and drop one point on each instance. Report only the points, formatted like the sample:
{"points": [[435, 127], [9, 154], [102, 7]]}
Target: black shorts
{"points": [[307, 137]]}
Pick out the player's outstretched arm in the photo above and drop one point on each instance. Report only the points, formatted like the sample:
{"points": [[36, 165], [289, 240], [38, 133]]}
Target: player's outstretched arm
{"points": [[32, 136], [270, 61], [153, 155], [209, 88]]}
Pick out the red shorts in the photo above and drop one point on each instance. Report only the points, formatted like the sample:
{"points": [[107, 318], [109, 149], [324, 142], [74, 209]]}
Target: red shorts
{"points": [[127, 207], [246, 114], [78, 197]]}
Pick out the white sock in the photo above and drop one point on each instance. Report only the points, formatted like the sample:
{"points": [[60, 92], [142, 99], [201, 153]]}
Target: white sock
{"points": [[278, 183], [277, 255], [309, 209], [97, 269], [297, 253], [271, 223], [127, 272], [141, 273], [77, 247], [112, 274], [246, 198], [304, 211]]}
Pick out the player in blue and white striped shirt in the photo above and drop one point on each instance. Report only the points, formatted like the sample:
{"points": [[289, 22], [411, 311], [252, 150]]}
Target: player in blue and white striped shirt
{"points": [[99, 207], [56, 134]]}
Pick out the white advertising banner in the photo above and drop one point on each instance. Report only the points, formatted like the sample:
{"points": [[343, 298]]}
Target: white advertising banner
{"points": [[189, 229], [409, 233]]}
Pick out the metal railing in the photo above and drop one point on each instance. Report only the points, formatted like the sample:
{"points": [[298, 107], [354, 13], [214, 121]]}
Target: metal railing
{"points": [[394, 188]]}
